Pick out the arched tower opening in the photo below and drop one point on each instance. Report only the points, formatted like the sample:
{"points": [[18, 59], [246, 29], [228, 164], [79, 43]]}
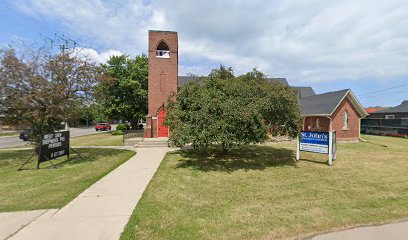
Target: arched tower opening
{"points": [[162, 50]]}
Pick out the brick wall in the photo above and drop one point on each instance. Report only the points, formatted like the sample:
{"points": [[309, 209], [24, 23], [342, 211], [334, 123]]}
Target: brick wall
{"points": [[352, 133], [163, 72], [309, 124]]}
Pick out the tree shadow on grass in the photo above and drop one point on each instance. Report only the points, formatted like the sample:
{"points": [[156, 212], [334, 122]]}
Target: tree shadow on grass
{"points": [[243, 158]]}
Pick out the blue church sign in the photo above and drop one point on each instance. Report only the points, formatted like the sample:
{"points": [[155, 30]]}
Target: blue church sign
{"points": [[317, 142]]}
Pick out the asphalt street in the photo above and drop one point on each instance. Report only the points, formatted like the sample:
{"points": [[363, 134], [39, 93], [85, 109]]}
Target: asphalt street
{"points": [[14, 141]]}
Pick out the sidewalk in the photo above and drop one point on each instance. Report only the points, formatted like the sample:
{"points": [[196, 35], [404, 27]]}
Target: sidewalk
{"points": [[12, 222], [103, 210], [394, 231]]}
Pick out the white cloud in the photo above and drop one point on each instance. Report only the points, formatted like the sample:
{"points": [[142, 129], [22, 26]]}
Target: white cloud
{"points": [[305, 41], [98, 57]]}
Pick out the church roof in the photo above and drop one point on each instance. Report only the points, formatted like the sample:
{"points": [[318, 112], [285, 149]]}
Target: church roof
{"points": [[326, 103]]}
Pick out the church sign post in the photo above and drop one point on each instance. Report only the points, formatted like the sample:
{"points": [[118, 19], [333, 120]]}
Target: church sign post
{"points": [[317, 142]]}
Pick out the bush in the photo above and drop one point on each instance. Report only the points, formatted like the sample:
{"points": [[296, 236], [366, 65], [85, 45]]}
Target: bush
{"points": [[117, 132], [123, 127]]}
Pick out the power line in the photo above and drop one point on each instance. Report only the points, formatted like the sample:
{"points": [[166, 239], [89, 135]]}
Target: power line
{"points": [[382, 90], [379, 96], [395, 100]]}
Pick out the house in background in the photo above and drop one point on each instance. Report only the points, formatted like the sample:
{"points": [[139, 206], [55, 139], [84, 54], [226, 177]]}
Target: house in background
{"points": [[371, 110], [389, 122], [338, 111], [400, 111]]}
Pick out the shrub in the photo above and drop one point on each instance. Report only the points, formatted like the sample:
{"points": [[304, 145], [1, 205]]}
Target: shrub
{"points": [[117, 132], [230, 111], [123, 127]]}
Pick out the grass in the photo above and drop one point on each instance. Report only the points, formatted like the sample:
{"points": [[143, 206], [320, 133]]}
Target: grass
{"points": [[260, 192], [52, 187], [8, 134], [101, 139]]}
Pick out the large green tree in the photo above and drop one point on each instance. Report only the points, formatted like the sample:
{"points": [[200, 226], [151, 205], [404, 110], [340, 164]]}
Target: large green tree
{"points": [[122, 89], [225, 110], [42, 89]]}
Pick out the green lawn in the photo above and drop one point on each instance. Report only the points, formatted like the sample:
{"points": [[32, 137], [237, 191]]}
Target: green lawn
{"points": [[101, 139], [260, 192], [52, 187], [9, 134]]}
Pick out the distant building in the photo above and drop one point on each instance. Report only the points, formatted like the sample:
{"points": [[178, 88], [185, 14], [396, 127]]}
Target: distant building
{"points": [[400, 111], [371, 110], [389, 122], [338, 111]]}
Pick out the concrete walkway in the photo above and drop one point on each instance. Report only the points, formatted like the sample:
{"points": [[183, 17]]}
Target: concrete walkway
{"points": [[394, 231], [12, 222], [103, 210]]}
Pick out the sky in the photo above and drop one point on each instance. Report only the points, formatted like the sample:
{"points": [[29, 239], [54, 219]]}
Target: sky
{"points": [[325, 44]]}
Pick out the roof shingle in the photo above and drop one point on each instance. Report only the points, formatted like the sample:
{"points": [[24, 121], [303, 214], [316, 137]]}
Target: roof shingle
{"points": [[322, 104]]}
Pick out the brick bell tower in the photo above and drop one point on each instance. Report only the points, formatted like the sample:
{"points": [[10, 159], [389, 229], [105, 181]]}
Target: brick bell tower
{"points": [[162, 80]]}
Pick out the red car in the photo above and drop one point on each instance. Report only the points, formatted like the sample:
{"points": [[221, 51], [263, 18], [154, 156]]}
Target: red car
{"points": [[103, 127]]}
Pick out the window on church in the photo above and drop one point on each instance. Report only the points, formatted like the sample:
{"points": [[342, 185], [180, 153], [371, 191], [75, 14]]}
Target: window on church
{"points": [[318, 124], [345, 120], [162, 50]]}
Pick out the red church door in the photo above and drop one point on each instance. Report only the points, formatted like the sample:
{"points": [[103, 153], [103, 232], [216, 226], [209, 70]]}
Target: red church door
{"points": [[163, 131]]}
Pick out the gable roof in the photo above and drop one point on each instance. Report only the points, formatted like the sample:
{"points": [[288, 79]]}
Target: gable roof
{"points": [[325, 104], [402, 108], [304, 91]]}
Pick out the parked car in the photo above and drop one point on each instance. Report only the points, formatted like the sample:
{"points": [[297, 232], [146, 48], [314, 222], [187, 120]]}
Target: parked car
{"points": [[26, 134], [103, 127]]}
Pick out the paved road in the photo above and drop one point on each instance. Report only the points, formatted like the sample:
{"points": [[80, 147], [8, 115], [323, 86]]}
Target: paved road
{"points": [[14, 141]]}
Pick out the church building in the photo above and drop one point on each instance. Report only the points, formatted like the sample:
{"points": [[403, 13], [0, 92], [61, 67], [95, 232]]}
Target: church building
{"points": [[338, 111]]}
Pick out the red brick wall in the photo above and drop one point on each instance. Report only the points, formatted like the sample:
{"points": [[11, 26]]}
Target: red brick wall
{"points": [[353, 131], [148, 127], [163, 76], [163, 72], [309, 124]]}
